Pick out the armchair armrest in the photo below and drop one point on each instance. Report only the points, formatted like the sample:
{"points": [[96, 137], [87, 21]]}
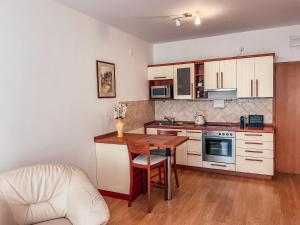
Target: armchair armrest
{"points": [[6, 217], [85, 204]]}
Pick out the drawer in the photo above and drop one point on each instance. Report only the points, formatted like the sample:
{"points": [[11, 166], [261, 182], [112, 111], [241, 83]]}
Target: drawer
{"points": [[194, 146], [256, 153], [255, 165], [249, 136], [194, 134], [151, 130], [194, 160], [254, 144], [219, 166]]}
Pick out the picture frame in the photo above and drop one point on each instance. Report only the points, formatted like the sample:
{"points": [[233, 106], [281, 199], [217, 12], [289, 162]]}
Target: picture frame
{"points": [[106, 79]]}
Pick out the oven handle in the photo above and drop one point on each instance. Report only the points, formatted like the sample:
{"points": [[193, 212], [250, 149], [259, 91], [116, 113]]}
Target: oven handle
{"points": [[226, 138]]}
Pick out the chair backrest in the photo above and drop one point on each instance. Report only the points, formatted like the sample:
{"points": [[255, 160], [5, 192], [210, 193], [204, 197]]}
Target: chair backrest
{"points": [[135, 149], [167, 132]]}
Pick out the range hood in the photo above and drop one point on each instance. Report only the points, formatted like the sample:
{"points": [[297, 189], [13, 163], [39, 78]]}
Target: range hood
{"points": [[220, 89], [222, 93]]}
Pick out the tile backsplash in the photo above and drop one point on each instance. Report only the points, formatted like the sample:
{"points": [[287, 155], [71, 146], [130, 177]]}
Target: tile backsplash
{"points": [[184, 110], [138, 113]]}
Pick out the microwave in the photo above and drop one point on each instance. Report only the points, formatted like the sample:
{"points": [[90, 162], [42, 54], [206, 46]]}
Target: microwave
{"points": [[165, 91]]}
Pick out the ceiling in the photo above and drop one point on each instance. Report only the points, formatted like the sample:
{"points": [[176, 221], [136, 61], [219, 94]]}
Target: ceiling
{"points": [[148, 19]]}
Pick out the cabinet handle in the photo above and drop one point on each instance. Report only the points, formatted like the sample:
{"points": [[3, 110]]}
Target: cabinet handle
{"points": [[252, 151], [193, 154], [253, 143], [251, 88], [222, 80], [159, 77], [192, 87], [194, 132], [255, 160], [194, 139], [220, 165], [217, 79], [256, 88], [254, 135]]}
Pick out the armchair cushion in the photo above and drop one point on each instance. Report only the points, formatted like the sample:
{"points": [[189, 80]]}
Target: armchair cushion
{"points": [[48, 192]]}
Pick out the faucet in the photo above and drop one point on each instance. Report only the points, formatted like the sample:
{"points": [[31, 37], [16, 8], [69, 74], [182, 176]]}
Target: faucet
{"points": [[170, 119]]}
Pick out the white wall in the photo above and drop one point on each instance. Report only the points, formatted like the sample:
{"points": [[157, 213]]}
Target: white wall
{"points": [[255, 42], [48, 96]]}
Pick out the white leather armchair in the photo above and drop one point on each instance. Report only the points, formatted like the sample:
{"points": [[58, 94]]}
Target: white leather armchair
{"points": [[50, 195]]}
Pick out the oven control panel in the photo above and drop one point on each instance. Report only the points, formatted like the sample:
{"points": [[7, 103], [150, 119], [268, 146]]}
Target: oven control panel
{"points": [[225, 134]]}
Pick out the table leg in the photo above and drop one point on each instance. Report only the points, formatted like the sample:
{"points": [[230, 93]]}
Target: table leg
{"points": [[169, 168]]}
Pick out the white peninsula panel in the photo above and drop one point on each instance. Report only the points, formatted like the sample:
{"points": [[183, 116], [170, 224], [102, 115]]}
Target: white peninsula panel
{"points": [[113, 159]]}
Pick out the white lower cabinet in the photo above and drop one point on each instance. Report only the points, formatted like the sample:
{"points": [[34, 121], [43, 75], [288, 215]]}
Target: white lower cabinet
{"points": [[219, 166], [255, 165], [255, 153], [194, 160]]}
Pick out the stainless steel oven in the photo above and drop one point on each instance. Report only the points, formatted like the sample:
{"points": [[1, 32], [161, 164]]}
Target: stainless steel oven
{"points": [[219, 146], [164, 91]]}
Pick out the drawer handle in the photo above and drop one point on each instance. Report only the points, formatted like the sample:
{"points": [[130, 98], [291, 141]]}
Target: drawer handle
{"points": [[252, 151], [194, 132], [193, 154], [159, 77], [254, 135], [194, 139], [253, 143], [220, 165], [255, 160]]}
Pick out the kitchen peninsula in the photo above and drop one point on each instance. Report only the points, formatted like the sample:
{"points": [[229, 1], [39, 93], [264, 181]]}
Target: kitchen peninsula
{"points": [[113, 173]]}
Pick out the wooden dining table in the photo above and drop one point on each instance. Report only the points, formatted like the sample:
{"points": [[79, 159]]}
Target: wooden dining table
{"points": [[168, 143]]}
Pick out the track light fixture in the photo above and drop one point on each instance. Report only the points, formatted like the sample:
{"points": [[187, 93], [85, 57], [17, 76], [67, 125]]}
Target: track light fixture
{"points": [[184, 16]]}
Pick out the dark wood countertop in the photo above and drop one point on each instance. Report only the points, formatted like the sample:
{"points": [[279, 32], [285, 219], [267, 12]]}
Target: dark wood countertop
{"points": [[159, 141], [214, 126]]}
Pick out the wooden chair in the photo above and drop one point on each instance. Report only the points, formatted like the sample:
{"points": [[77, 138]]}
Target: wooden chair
{"points": [[161, 152], [141, 159]]}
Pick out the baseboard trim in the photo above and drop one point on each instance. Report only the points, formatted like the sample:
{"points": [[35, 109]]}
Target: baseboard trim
{"points": [[226, 172], [114, 194]]}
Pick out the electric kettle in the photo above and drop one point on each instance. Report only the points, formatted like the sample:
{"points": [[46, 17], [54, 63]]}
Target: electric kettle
{"points": [[199, 119]]}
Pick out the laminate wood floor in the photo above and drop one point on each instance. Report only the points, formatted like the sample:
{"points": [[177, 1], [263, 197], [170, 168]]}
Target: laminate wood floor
{"points": [[213, 199]]}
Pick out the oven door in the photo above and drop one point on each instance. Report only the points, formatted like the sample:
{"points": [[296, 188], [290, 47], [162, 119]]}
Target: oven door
{"points": [[160, 92], [216, 149]]}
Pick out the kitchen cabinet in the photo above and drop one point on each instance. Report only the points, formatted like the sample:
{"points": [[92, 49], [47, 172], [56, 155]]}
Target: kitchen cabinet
{"points": [[184, 81], [194, 148], [220, 74], [160, 72], [255, 153], [219, 166], [255, 77]]}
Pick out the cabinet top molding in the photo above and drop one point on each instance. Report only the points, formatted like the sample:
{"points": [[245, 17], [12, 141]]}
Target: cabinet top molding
{"points": [[214, 59]]}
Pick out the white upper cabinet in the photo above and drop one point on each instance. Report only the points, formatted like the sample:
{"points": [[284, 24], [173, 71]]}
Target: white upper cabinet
{"points": [[160, 72], [184, 76], [245, 78], [228, 74], [255, 77], [220, 74], [211, 75], [264, 76]]}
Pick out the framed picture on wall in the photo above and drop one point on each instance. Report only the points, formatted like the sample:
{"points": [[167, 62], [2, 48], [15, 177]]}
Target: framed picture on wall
{"points": [[106, 81]]}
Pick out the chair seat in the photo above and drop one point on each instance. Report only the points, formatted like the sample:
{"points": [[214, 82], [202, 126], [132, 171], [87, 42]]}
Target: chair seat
{"points": [[161, 152], [62, 221], [154, 159]]}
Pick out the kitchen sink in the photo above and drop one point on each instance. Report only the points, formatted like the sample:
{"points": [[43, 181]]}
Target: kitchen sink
{"points": [[167, 123]]}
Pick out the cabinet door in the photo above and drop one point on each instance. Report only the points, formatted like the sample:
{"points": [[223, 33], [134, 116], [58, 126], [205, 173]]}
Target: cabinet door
{"points": [[245, 78], [264, 76], [181, 154], [183, 81], [211, 75], [160, 72], [228, 74]]}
